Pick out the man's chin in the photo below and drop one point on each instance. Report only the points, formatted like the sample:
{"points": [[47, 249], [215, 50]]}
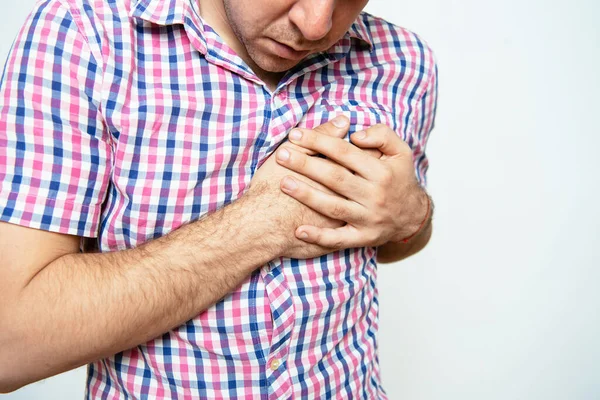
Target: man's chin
{"points": [[270, 62], [277, 66]]}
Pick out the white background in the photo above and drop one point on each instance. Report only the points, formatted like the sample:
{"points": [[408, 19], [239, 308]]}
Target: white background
{"points": [[504, 303]]}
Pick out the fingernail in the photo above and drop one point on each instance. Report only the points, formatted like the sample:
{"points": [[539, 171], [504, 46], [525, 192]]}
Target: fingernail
{"points": [[289, 184], [340, 122], [303, 235], [283, 155], [295, 134], [360, 134]]}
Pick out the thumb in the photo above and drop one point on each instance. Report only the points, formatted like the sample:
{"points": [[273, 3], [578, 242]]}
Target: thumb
{"points": [[382, 138]]}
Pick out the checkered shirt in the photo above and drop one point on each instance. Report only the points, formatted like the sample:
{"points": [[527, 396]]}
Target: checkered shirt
{"points": [[122, 120]]}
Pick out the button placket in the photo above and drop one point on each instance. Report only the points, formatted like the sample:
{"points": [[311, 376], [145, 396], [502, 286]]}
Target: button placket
{"points": [[282, 311], [280, 99], [278, 376], [274, 364]]}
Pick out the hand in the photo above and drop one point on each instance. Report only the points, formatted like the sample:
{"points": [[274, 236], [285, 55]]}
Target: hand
{"points": [[380, 202], [285, 212]]}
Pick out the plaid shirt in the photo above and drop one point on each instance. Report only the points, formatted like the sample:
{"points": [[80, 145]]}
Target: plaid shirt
{"points": [[122, 120]]}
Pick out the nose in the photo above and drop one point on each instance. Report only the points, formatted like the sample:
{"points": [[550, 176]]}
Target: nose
{"points": [[312, 17]]}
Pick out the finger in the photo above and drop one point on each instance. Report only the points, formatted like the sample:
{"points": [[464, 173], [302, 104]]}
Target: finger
{"points": [[338, 150], [315, 185], [331, 206], [383, 138], [373, 153], [327, 173], [344, 237], [337, 127]]}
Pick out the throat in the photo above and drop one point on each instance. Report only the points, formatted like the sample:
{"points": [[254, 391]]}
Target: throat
{"points": [[213, 13], [271, 79]]}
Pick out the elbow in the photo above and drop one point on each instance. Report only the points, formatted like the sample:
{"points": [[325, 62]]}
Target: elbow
{"points": [[10, 379], [13, 369], [13, 375], [8, 387]]}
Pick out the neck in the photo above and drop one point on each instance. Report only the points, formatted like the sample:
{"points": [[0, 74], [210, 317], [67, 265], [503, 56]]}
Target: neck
{"points": [[213, 12]]}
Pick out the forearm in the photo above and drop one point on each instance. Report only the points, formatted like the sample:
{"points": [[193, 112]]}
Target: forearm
{"points": [[83, 307]]}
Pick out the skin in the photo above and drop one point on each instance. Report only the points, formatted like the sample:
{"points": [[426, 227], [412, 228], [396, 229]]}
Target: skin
{"points": [[253, 27], [61, 309], [371, 194]]}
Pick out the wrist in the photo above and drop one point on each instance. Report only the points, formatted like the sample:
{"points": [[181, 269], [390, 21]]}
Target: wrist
{"points": [[419, 218]]}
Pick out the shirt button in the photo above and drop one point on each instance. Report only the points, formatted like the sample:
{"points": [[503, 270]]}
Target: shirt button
{"points": [[274, 364], [282, 96]]}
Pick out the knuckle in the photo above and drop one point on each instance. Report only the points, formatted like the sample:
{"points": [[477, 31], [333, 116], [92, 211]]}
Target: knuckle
{"points": [[337, 176], [306, 194], [318, 236], [293, 149], [378, 219], [343, 150], [382, 130], [300, 192], [326, 129], [362, 191], [311, 137], [301, 160], [337, 244], [374, 153], [361, 219], [377, 139], [380, 199], [338, 212], [386, 177]]}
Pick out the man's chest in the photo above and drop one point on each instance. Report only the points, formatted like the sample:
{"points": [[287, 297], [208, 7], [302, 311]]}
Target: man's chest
{"points": [[188, 134]]}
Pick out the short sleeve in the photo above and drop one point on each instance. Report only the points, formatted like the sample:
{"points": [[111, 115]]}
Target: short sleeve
{"points": [[423, 124], [54, 150]]}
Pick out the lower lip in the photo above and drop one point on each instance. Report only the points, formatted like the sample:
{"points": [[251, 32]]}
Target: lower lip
{"points": [[287, 52]]}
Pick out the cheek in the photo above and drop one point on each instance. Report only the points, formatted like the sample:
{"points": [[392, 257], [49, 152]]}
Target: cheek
{"points": [[345, 15], [244, 17], [260, 13]]}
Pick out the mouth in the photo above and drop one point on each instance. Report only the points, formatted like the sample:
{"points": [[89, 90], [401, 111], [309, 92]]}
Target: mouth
{"points": [[284, 51]]}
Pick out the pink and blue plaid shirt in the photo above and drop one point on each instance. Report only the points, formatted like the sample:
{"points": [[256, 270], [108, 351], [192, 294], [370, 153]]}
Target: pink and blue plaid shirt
{"points": [[121, 120]]}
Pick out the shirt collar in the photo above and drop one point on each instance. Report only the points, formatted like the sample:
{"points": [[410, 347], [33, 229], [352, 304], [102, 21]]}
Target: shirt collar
{"points": [[173, 12], [360, 31], [162, 12]]}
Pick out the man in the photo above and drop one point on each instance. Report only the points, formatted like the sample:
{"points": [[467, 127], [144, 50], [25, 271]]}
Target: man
{"points": [[222, 271]]}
